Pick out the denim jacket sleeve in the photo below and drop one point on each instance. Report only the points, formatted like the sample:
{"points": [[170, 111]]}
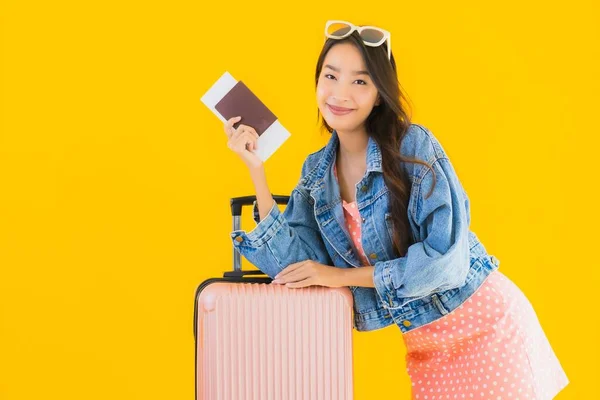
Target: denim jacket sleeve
{"points": [[281, 239], [439, 260]]}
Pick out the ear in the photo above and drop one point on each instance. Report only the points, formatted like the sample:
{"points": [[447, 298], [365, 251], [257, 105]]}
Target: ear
{"points": [[378, 101]]}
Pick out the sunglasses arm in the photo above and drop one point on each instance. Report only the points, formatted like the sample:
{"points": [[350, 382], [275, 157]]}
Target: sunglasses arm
{"points": [[389, 47]]}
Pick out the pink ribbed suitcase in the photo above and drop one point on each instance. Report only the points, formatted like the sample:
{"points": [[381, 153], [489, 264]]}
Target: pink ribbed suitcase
{"points": [[257, 341]]}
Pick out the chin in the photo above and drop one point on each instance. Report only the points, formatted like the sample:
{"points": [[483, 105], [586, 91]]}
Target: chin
{"points": [[334, 123], [337, 122]]}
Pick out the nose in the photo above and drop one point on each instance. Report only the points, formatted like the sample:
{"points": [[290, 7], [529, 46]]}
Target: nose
{"points": [[339, 99]]}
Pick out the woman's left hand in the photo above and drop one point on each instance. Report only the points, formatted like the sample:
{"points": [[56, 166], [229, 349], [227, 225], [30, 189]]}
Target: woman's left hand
{"points": [[309, 273]]}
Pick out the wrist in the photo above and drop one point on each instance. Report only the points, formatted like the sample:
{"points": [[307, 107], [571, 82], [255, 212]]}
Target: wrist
{"points": [[256, 171], [361, 276]]}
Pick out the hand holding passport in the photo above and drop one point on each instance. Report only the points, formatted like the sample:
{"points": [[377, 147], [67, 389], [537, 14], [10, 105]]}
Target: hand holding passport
{"points": [[243, 141], [228, 98]]}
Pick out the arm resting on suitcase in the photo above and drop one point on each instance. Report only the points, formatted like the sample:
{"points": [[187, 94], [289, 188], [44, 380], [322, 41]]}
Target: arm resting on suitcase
{"points": [[281, 239], [309, 273]]}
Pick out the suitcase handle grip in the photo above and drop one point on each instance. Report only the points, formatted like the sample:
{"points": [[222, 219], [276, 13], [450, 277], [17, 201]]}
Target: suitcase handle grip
{"points": [[242, 274]]}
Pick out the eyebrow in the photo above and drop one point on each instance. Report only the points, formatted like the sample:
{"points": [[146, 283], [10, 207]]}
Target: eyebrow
{"points": [[354, 72]]}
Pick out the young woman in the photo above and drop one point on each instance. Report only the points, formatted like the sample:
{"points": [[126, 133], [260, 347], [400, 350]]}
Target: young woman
{"points": [[380, 209]]}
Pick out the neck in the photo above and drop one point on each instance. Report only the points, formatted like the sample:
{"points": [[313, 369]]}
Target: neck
{"points": [[353, 146]]}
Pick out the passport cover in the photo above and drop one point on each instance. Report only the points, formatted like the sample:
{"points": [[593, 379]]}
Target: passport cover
{"points": [[241, 101]]}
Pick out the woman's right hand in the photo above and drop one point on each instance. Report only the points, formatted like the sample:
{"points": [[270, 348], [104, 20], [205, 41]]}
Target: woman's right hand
{"points": [[243, 141]]}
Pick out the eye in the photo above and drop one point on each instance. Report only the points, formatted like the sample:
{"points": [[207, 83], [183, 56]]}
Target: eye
{"points": [[358, 80]]}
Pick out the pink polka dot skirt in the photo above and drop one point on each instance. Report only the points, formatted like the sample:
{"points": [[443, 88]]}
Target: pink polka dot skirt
{"points": [[490, 347]]}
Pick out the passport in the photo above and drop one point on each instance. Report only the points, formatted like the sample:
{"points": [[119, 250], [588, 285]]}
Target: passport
{"points": [[229, 98]]}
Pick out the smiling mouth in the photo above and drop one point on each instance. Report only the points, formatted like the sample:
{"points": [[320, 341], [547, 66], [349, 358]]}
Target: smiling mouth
{"points": [[339, 110]]}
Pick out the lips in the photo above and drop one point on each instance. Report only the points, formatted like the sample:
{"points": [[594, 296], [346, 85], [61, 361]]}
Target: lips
{"points": [[339, 110]]}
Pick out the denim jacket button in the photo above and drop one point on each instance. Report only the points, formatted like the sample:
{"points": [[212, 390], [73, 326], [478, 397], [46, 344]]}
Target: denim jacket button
{"points": [[373, 256], [406, 323], [364, 188], [239, 239]]}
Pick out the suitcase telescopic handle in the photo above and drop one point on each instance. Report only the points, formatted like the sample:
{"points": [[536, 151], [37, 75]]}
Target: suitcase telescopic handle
{"points": [[237, 204]]}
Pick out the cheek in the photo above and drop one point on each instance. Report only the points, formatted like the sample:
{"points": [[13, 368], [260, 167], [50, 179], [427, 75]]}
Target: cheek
{"points": [[366, 99], [365, 103], [322, 92]]}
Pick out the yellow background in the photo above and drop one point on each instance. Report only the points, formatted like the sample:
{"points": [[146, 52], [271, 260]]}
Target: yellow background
{"points": [[115, 178]]}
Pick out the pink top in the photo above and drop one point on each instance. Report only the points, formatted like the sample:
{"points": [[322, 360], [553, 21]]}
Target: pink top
{"points": [[353, 220]]}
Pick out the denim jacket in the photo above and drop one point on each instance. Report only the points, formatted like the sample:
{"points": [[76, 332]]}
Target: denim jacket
{"points": [[441, 269]]}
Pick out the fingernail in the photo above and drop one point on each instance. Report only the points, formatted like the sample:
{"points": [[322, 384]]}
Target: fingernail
{"points": [[275, 281]]}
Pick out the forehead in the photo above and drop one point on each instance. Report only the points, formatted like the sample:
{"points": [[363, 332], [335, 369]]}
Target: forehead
{"points": [[345, 57]]}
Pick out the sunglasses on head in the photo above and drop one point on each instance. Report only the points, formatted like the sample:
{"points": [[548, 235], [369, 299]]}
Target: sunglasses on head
{"points": [[371, 35]]}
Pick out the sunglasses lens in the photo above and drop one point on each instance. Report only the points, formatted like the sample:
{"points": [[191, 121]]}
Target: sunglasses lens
{"points": [[372, 35], [338, 29]]}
